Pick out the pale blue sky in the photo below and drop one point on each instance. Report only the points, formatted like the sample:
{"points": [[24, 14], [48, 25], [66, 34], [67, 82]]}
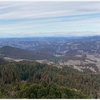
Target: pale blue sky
{"points": [[26, 19]]}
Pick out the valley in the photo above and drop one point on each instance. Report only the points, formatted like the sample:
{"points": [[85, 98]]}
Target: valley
{"points": [[81, 53]]}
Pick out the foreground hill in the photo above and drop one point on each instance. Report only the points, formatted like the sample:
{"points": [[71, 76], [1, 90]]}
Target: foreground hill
{"points": [[28, 79]]}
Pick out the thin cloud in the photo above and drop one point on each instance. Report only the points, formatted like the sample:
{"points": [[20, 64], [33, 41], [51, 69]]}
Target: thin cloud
{"points": [[31, 17]]}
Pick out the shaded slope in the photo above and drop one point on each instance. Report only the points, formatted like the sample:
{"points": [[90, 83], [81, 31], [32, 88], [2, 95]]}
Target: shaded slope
{"points": [[12, 52]]}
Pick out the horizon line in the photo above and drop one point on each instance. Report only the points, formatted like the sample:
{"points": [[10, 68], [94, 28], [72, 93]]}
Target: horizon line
{"points": [[50, 36]]}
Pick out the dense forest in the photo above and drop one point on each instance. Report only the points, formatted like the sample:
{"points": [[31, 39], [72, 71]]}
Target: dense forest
{"points": [[29, 79]]}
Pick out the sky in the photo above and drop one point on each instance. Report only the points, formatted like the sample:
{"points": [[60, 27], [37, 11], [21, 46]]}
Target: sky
{"points": [[51, 18]]}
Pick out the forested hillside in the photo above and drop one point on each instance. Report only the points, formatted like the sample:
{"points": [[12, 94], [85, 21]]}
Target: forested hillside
{"points": [[29, 79]]}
